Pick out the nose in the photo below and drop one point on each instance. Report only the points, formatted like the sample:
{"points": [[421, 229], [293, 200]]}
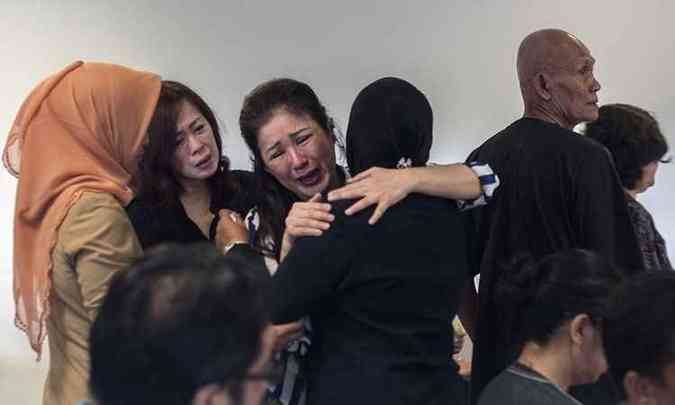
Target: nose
{"points": [[195, 144], [298, 159], [596, 85]]}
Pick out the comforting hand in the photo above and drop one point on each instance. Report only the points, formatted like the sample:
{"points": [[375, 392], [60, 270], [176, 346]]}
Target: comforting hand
{"points": [[310, 218], [230, 229], [277, 337], [384, 187]]}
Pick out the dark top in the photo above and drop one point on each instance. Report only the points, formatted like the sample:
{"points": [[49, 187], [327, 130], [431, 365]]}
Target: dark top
{"points": [[652, 245], [520, 385], [559, 190], [155, 225], [381, 299]]}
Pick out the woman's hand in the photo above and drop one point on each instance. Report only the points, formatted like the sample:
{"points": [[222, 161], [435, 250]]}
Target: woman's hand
{"points": [[277, 337], [310, 218], [230, 229], [384, 187]]}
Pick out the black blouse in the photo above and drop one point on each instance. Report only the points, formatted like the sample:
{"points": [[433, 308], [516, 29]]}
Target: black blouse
{"points": [[381, 299], [172, 224]]}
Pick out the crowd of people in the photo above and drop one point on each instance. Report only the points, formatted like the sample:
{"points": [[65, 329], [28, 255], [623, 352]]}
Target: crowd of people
{"points": [[161, 276]]}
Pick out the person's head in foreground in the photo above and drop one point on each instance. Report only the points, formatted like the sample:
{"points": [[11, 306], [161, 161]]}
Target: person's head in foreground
{"points": [[182, 326], [635, 140], [555, 71], [560, 302], [639, 337]]}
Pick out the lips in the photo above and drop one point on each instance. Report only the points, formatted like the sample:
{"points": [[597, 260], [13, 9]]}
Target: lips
{"points": [[312, 178], [203, 162]]}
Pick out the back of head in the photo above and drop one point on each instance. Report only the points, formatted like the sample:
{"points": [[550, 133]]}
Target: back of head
{"points": [[183, 317], [544, 294], [639, 333], [633, 137], [390, 120]]}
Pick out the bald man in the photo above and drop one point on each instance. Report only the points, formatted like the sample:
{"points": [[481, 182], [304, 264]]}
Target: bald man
{"points": [[559, 189]]}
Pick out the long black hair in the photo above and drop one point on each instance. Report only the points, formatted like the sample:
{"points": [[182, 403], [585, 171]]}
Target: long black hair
{"points": [[157, 182]]}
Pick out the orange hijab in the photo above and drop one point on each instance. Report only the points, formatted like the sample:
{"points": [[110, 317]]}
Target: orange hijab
{"points": [[78, 130]]}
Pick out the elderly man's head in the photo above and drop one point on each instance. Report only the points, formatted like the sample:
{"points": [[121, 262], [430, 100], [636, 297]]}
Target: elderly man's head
{"points": [[555, 71]]}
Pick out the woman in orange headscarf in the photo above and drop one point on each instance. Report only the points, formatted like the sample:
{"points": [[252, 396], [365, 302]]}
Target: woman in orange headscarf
{"points": [[73, 147]]}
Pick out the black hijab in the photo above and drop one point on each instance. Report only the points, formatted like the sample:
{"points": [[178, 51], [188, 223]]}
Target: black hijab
{"points": [[390, 120]]}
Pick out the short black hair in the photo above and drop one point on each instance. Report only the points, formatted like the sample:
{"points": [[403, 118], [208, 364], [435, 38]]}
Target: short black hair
{"points": [[538, 296], [639, 333], [633, 137], [181, 318]]}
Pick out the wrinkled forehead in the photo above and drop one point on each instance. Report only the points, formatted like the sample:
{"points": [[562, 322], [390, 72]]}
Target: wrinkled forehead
{"points": [[571, 53]]}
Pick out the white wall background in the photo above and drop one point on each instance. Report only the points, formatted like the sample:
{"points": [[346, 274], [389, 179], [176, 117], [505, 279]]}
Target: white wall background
{"points": [[460, 53]]}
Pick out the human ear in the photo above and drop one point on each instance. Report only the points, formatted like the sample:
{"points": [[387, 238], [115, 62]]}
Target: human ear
{"points": [[581, 329], [542, 85]]}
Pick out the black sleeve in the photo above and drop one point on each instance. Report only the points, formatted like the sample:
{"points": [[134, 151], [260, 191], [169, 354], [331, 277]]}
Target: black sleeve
{"points": [[142, 222], [316, 265], [603, 219]]}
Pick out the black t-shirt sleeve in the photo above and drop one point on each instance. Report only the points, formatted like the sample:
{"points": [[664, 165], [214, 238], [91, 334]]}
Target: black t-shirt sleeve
{"points": [[602, 213], [315, 266]]}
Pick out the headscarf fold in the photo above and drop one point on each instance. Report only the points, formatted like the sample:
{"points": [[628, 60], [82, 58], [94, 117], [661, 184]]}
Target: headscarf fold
{"points": [[79, 130], [390, 124]]}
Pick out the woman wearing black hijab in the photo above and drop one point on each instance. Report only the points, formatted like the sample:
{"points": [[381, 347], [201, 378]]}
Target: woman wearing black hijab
{"points": [[381, 297]]}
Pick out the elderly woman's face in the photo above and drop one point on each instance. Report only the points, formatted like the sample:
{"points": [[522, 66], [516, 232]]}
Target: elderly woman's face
{"points": [[648, 178], [298, 153]]}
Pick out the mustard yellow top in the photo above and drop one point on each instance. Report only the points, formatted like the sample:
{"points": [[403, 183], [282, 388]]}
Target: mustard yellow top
{"points": [[95, 240]]}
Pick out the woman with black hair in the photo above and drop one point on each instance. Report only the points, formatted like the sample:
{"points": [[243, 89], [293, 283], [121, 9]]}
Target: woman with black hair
{"points": [[639, 339], [381, 297], [184, 180], [635, 140], [558, 303]]}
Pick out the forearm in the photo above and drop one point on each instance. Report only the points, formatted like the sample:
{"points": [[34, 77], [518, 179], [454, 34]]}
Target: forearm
{"points": [[455, 181], [468, 308]]}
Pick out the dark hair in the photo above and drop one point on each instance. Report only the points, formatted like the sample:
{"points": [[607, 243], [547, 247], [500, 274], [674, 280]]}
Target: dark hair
{"points": [[260, 105], [539, 296], [633, 137], [182, 317], [639, 333], [157, 182], [390, 120]]}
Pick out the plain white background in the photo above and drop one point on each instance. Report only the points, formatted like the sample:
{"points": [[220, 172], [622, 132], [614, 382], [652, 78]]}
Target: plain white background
{"points": [[460, 53]]}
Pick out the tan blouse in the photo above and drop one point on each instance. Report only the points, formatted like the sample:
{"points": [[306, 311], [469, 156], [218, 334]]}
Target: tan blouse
{"points": [[94, 241]]}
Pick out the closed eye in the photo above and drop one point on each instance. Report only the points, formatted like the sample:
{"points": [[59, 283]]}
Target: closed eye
{"points": [[303, 138]]}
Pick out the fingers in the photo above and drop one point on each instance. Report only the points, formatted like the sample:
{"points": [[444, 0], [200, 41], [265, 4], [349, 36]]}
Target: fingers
{"points": [[235, 217], [381, 208], [315, 198], [362, 175], [350, 191], [365, 202]]}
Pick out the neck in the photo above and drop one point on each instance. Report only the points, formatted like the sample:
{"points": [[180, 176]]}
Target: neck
{"points": [[632, 193], [543, 113], [550, 363], [195, 194]]}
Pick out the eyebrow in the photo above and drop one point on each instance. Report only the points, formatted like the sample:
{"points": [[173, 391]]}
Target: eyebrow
{"points": [[191, 125], [291, 135]]}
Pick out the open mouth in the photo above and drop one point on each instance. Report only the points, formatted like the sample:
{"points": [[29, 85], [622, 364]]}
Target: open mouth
{"points": [[311, 179], [203, 162]]}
